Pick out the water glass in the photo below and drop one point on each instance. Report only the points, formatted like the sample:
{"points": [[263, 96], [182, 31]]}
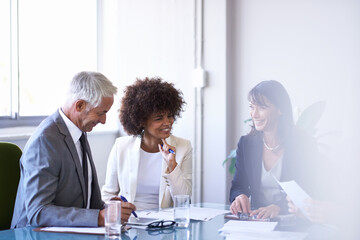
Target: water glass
{"points": [[182, 234], [113, 219], [182, 210]]}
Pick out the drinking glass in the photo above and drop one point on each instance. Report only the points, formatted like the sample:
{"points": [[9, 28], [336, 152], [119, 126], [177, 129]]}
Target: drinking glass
{"points": [[113, 219], [182, 210]]}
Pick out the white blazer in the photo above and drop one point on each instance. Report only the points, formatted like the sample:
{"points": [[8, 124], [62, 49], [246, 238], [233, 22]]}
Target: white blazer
{"points": [[123, 166]]}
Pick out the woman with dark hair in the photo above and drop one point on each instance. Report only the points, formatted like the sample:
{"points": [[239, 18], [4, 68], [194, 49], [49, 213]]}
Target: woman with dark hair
{"points": [[274, 148], [149, 166]]}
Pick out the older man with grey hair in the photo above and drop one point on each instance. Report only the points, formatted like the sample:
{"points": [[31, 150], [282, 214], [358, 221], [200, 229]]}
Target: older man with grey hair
{"points": [[58, 184]]}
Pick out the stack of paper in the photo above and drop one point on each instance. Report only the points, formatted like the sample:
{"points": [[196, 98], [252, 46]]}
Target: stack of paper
{"points": [[234, 230]]}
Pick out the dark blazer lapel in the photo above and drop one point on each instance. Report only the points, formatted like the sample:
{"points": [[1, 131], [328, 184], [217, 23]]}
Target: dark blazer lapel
{"points": [[72, 148], [255, 156]]}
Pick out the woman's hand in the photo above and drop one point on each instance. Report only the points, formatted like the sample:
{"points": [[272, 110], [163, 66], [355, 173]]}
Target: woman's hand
{"points": [[169, 157], [292, 208], [240, 204], [126, 210], [270, 211], [317, 211]]}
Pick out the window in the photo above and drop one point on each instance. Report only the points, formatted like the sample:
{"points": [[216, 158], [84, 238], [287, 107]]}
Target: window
{"points": [[5, 87], [44, 44]]}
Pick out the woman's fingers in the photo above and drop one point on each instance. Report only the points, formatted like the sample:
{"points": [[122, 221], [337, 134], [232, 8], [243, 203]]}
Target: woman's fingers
{"points": [[245, 203], [233, 208], [270, 211], [240, 204], [167, 148]]}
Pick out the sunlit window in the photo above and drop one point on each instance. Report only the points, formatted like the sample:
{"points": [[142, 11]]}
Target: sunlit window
{"points": [[5, 87], [55, 40]]}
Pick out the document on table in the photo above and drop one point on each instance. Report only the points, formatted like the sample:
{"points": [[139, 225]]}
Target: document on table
{"points": [[274, 235], [85, 230], [296, 194], [234, 226], [238, 230], [196, 213], [205, 214]]}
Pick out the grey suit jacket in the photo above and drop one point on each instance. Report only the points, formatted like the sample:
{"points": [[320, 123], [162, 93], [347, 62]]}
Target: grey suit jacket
{"points": [[51, 188]]}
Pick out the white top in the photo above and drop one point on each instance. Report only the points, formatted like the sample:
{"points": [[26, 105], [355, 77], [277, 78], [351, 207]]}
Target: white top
{"points": [[122, 173], [148, 184], [269, 187], [75, 133]]}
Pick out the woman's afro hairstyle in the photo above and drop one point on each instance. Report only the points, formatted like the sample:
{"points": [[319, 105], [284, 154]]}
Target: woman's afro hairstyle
{"points": [[146, 97]]}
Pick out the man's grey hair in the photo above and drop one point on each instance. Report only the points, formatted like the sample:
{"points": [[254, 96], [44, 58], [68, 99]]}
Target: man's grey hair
{"points": [[90, 87]]}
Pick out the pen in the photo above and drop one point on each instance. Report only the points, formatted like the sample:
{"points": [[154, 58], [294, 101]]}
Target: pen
{"points": [[170, 150], [133, 212]]}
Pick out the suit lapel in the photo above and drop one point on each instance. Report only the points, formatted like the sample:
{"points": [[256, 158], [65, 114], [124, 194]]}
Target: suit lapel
{"points": [[72, 149]]}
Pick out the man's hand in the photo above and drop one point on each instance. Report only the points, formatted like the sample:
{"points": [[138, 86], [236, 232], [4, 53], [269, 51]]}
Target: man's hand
{"points": [[101, 218]]}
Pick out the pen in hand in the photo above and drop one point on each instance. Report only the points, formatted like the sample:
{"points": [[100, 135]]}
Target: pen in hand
{"points": [[170, 150], [133, 212]]}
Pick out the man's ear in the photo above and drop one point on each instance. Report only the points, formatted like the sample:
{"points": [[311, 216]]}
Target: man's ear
{"points": [[80, 105]]}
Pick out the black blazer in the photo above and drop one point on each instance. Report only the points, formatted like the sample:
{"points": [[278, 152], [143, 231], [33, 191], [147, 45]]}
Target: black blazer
{"points": [[300, 153]]}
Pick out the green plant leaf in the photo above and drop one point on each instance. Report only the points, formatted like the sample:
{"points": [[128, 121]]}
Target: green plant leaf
{"points": [[232, 158], [310, 117]]}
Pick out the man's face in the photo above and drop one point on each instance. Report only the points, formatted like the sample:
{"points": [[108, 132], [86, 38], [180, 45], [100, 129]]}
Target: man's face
{"points": [[89, 118]]}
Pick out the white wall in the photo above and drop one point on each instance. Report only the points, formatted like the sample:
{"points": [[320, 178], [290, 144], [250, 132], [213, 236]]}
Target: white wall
{"points": [[152, 38], [215, 109]]}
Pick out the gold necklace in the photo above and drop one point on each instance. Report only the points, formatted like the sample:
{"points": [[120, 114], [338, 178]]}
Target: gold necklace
{"points": [[270, 148]]}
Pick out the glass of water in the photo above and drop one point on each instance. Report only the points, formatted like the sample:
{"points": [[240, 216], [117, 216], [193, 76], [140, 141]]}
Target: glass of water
{"points": [[113, 219], [182, 210]]}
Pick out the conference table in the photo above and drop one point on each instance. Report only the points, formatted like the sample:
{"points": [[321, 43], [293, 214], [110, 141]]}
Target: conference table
{"points": [[199, 230]]}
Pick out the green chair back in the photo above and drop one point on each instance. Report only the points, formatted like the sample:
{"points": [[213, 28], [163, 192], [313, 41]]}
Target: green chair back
{"points": [[9, 180]]}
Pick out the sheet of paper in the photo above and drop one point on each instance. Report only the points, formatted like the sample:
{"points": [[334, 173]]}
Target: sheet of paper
{"points": [[87, 230], [141, 221], [296, 194], [273, 235], [196, 213], [234, 226], [205, 214], [165, 214]]}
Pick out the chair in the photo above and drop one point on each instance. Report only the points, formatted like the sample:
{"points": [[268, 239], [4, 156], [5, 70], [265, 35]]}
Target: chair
{"points": [[9, 180]]}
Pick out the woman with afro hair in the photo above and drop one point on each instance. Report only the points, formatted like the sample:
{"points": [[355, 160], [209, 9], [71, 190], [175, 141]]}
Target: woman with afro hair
{"points": [[150, 165]]}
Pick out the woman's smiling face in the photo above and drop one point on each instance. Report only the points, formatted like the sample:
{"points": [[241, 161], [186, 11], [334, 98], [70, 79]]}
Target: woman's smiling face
{"points": [[265, 117], [159, 125]]}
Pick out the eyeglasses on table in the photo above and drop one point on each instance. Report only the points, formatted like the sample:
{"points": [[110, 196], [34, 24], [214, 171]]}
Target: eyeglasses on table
{"points": [[160, 225]]}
